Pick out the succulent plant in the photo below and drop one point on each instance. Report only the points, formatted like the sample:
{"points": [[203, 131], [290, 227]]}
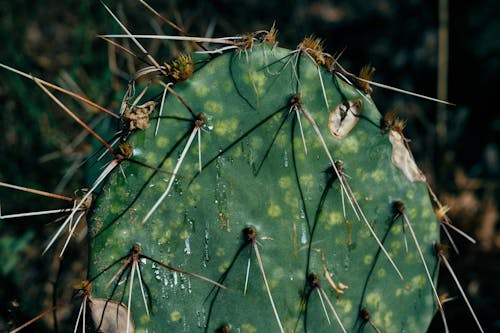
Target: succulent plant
{"points": [[257, 189]]}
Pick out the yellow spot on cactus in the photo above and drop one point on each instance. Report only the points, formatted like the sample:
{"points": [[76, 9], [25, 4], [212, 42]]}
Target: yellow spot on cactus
{"points": [[227, 86], [285, 182], [274, 210], [307, 180], [412, 213], [426, 213], [378, 176], [225, 127], [145, 319], [310, 73], [350, 145], [220, 251], [282, 140], [410, 194], [364, 233], [223, 267], [184, 234], [151, 159], [373, 299], [418, 281], [388, 319], [169, 164], [396, 246], [381, 273], [290, 199], [162, 142], [212, 107], [195, 187], [175, 315], [397, 229], [237, 152], [368, 259], [166, 236], [432, 227], [345, 305], [276, 277], [410, 257], [247, 328], [399, 292], [258, 80], [201, 90], [335, 218]]}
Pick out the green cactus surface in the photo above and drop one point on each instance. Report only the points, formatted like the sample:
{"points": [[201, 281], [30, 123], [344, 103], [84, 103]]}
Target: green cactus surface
{"points": [[277, 213]]}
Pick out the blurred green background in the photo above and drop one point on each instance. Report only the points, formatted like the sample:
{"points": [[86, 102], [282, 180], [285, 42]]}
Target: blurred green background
{"points": [[457, 147]]}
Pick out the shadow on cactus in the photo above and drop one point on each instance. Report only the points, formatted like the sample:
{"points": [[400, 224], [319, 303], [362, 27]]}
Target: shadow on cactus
{"points": [[255, 188]]}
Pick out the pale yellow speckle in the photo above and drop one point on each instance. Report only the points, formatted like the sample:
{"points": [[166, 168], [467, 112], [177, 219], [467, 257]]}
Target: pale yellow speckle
{"points": [[373, 299], [290, 199], [426, 213], [256, 142], [410, 257], [350, 145], [381, 273], [285, 182], [145, 319], [397, 229], [307, 180], [165, 238], [247, 328], [433, 226], [335, 218], [364, 233], [273, 210], [378, 176], [220, 251], [175, 316], [227, 86], [410, 194], [201, 90], [418, 281], [223, 267], [276, 277], [282, 140], [195, 187], [168, 165], [412, 213], [213, 107], [237, 152], [396, 246], [151, 158], [310, 73], [368, 259], [388, 319], [358, 173], [183, 234], [162, 142], [399, 292], [224, 127], [345, 305], [258, 81]]}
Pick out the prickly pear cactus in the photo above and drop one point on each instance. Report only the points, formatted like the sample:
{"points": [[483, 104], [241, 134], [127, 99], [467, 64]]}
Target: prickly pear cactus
{"points": [[276, 199]]}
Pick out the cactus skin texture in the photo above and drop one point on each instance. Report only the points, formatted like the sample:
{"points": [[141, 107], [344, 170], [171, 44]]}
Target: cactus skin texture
{"points": [[257, 174]]}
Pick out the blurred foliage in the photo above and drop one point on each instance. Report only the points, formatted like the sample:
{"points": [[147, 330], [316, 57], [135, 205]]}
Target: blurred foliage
{"points": [[56, 40]]}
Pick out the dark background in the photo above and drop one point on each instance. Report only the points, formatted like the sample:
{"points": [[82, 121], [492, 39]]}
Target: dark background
{"points": [[457, 146]]}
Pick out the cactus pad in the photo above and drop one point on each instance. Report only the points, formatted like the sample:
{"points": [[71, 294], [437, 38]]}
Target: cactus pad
{"points": [[296, 179]]}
